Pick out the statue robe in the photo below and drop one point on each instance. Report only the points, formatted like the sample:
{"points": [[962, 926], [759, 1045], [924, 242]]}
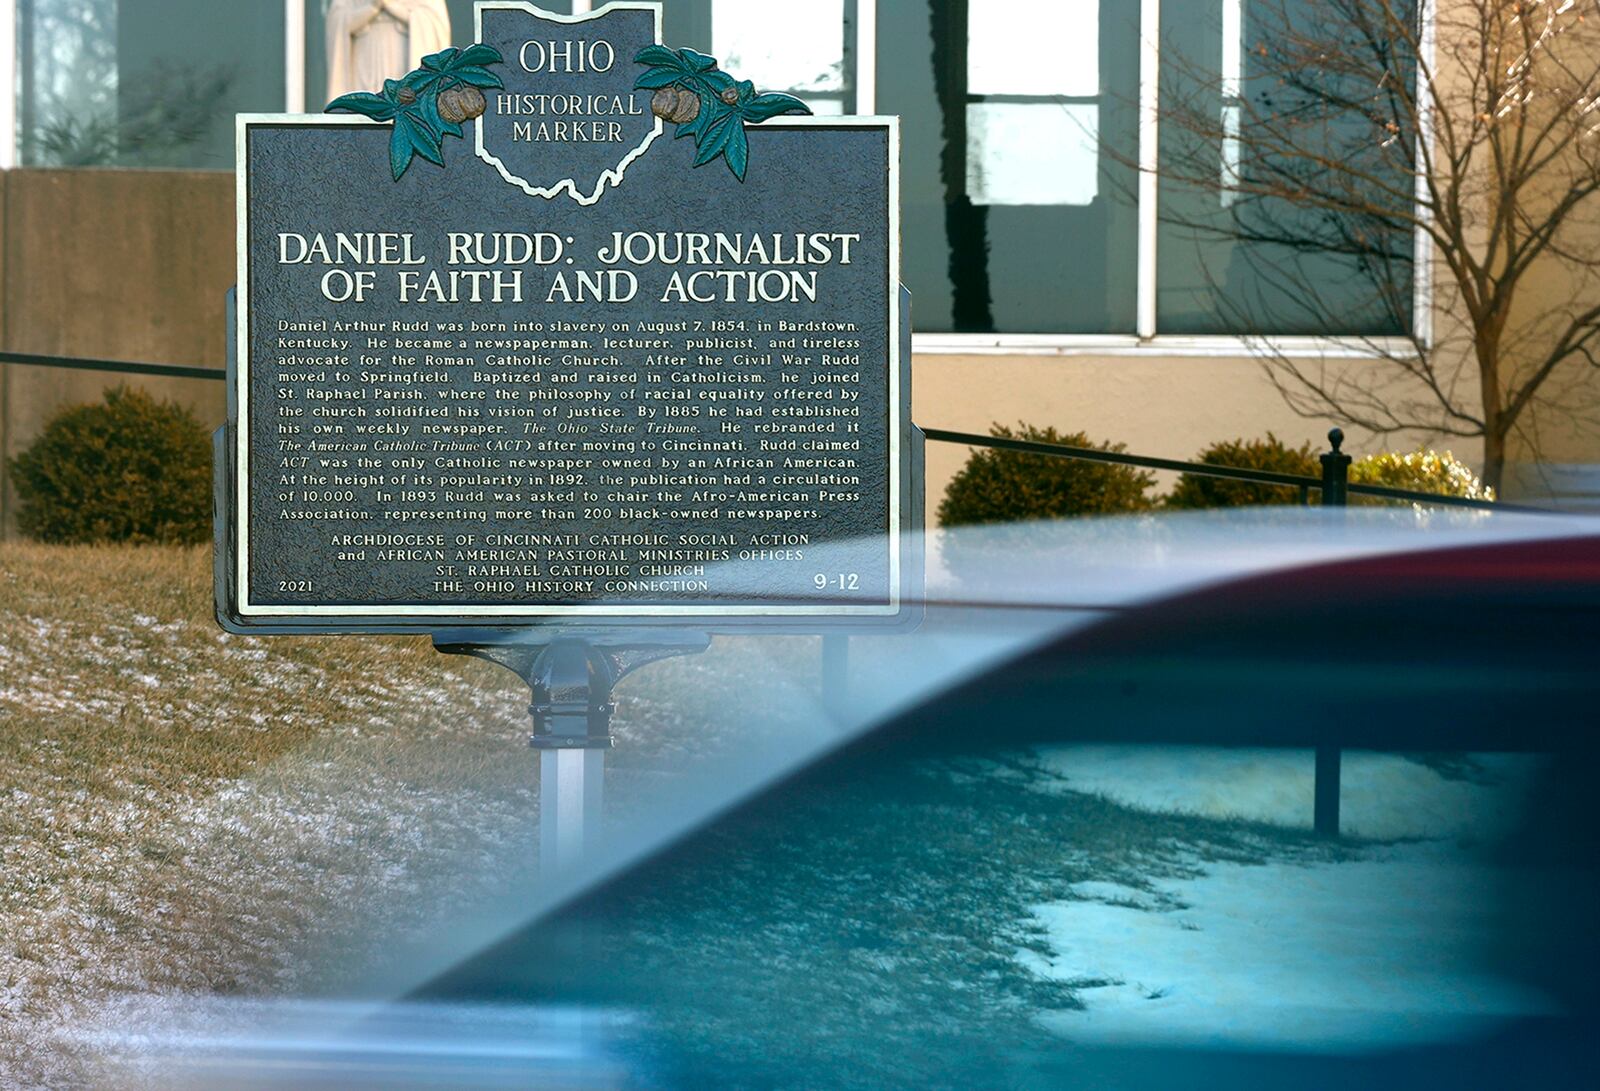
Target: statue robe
{"points": [[370, 41]]}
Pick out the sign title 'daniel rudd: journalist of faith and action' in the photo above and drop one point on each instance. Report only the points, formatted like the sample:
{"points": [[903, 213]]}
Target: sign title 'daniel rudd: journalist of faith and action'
{"points": [[548, 248], [772, 280]]}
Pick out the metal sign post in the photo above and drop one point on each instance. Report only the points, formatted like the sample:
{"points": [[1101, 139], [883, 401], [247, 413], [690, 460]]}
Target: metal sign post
{"points": [[571, 676]]}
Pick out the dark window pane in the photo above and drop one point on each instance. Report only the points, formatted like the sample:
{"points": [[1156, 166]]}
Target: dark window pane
{"points": [[1235, 261], [1015, 219], [144, 83]]}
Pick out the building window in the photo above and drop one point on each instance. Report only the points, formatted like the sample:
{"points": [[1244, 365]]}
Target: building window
{"points": [[142, 83], [1016, 218], [1033, 106], [1233, 264], [1023, 210], [807, 49], [67, 53]]}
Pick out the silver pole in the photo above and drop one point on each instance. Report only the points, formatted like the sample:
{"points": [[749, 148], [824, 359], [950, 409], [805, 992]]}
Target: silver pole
{"points": [[571, 677], [571, 806], [572, 729]]}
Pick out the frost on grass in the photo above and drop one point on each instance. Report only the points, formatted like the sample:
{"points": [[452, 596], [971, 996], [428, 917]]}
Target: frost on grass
{"points": [[186, 811]]}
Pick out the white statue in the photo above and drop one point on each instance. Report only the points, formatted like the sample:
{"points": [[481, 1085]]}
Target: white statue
{"points": [[370, 41]]}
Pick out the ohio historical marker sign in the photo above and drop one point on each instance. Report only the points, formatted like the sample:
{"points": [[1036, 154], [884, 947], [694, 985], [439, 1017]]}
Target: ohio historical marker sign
{"points": [[565, 323]]}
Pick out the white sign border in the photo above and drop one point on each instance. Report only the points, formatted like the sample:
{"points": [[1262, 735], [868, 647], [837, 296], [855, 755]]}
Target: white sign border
{"points": [[245, 609]]}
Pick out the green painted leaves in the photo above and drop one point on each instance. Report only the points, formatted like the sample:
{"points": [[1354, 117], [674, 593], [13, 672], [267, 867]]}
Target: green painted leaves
{"points": [[726, 104], [411, 138], [669, 65], [771, 104], [432, 102], [429, 103], [364, 102]]}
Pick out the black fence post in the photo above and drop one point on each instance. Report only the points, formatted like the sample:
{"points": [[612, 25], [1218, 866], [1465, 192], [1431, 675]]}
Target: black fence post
{"points": [[1325, 801], [1335, 473]]}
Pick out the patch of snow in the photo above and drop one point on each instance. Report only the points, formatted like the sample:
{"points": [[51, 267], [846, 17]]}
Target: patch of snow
{"points": [[1382, 796], [1353, 954]]}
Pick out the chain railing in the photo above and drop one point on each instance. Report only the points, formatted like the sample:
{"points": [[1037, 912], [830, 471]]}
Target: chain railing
{"points": [[78, 363], [1334, 485]]}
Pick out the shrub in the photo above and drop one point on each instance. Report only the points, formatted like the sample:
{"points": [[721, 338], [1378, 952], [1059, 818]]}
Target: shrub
{"points": [[1009, 486], [1196, 491], [1421, 471], [127, 469]]}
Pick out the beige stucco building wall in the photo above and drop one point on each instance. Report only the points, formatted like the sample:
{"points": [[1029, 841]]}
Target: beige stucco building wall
{"points": [[1556, 450]]}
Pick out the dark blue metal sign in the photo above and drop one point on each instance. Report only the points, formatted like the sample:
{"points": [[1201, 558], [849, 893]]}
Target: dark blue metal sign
{"points": [[592, 372]]}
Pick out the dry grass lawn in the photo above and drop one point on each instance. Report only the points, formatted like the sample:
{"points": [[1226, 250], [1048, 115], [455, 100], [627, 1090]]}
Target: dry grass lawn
{"points": [[181, 809]]}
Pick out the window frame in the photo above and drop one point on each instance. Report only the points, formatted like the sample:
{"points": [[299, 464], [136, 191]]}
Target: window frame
{"points": [[1146, 341], [846, 97], [9, 48]]}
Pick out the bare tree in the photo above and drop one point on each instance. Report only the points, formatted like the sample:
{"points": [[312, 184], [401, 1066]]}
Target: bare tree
{"points": [[1361, 144]]}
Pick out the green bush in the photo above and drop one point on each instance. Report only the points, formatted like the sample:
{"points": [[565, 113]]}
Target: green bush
{"points": [[1421, 471], [1196, 491], [998, 486], [128, 469]]}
